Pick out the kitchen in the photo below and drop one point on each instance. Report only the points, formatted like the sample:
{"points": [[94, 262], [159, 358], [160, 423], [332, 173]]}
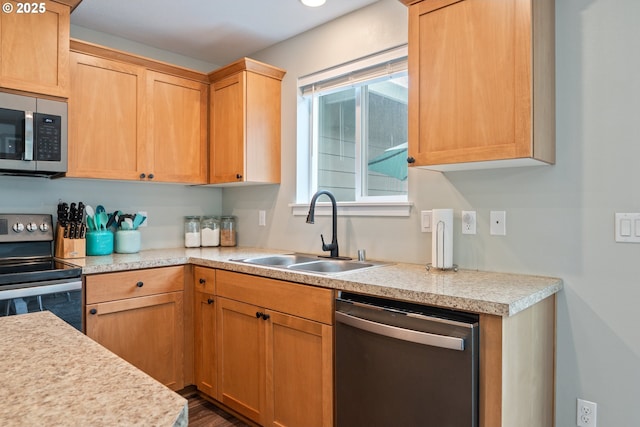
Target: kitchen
{"points": [[560, 217]]}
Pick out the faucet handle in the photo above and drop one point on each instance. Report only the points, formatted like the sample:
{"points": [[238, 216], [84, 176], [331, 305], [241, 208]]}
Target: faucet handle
{"points": [[327, 247]]}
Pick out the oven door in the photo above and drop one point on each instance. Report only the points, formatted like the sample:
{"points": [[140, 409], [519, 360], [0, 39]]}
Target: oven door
{"points": [[61, 297]]}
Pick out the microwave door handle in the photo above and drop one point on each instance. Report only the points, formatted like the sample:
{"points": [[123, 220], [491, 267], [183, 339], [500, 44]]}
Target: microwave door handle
{"points": [[28, 135]]}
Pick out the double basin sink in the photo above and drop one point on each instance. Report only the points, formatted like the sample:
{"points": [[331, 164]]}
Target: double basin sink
{"points": [[309, 263]]}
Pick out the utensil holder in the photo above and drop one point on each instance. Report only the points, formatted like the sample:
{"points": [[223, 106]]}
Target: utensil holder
{"points": [[68, 248], [128, 241], [99, 243]]}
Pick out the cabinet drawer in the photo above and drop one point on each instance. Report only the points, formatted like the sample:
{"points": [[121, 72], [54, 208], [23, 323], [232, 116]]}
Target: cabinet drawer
{"points": [[132, 284], [299, 300], [204, 279]]}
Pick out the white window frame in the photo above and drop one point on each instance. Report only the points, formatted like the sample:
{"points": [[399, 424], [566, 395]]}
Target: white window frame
{"points": [[384, 64]]}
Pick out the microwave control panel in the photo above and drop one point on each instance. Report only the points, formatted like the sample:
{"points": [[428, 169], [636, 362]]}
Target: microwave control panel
{"points": [[48, 132]]}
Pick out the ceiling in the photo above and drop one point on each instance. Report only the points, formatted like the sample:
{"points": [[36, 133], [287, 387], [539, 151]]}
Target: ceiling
{"points": [[215, 31]]}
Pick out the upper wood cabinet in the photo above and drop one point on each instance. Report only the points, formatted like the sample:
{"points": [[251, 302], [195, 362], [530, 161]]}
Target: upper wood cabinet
{"points": [[34, 48], [482, 85], [134, 119], [176, 143], [105, 108], [244, 108]]}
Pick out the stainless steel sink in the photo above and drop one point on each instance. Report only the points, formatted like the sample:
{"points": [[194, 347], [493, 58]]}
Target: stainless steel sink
{"points": [[309, 263], [279, 260], [328, 267]]}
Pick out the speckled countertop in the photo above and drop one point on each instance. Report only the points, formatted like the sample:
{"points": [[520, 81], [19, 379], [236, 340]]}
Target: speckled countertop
{"points": [[54, 375], [502, 294]]}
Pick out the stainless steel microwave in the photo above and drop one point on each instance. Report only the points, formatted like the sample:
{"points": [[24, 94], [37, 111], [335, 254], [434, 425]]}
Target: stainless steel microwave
{"points": [[33, 136]]}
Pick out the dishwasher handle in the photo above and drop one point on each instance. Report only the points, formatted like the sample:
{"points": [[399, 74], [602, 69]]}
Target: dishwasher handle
{"points": [[425, 338]]}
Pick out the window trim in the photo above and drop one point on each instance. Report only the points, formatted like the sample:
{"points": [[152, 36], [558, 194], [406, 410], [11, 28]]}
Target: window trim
{"points": [[397, 209], [385, 63]]}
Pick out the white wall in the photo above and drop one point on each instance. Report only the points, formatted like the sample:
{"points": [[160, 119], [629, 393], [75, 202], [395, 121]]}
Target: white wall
{"points": [[559, 218]]}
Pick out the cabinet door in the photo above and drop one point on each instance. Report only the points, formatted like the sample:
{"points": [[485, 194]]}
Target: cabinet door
{"points": [[176, 146], [228, 125], [241, 358], [205, 343], [146, 331], [470, 69], [105, 107], [34, 48], [299, 372]]}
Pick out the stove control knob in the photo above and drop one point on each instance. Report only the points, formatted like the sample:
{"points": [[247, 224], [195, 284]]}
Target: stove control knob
{"points": [[31, 227], [44, 227], [18, 227]]}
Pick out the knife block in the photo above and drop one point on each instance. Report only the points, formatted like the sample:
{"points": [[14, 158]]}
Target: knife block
{"points": [[68, 248]]}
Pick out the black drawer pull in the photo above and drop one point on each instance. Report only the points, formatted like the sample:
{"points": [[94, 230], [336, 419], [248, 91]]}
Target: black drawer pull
{"points": [[139, 284], [93, 311], [265, 316], [209, 301], [259, 314], [203, 281]]}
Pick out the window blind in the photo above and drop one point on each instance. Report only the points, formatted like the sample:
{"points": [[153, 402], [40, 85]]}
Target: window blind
{"points": [[382, 65]]}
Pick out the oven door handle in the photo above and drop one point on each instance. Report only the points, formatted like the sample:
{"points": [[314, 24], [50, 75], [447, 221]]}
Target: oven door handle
{"points": [[41, 290], [425, 338]]}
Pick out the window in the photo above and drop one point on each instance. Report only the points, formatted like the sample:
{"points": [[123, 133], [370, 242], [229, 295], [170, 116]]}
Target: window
{"points": [[352, 136]]}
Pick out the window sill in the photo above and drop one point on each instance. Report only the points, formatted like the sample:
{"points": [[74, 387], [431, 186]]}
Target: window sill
{"points": [[355, 209]]}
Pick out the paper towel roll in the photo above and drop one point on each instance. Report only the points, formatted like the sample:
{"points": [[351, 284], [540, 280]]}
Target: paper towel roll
{"points": [[442, 238]]}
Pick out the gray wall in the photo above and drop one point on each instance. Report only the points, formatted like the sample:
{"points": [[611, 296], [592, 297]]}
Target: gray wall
{"points": [[559, 218]]}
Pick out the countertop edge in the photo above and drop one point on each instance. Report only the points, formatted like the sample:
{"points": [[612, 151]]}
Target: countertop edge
{"points": [[362, 282]]}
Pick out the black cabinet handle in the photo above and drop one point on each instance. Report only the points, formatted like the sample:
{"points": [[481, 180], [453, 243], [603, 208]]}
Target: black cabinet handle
{"points": [[139, 284], [202, 281], [265, 316], [142, 176], [411, 160], [150, 176], [93, 311], [209, 301], [238, 176], [259, 315]]}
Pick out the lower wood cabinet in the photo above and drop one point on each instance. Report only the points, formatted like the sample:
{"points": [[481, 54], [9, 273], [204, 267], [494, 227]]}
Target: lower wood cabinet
{"points": [[204, 318], [139, 315], [274, 349]]}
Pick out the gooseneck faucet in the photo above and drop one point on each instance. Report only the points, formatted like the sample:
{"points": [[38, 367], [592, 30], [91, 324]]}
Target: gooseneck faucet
{"points": [[333, 246]]}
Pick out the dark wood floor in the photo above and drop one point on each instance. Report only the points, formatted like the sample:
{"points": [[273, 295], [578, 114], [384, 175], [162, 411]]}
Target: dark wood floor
{"points": [[205, 414]]}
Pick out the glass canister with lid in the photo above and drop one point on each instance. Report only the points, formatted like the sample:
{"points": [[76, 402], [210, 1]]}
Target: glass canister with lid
{"points": [[210, 231], [228, 231], [192, 231]]}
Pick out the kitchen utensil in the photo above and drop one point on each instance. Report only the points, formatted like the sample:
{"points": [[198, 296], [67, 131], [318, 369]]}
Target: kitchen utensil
{"points": [[137, 220], [103, 218], [100, 209], [113, 219], [91, 223]]}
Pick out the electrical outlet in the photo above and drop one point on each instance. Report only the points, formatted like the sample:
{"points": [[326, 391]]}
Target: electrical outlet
{"points": [[468, 222], [262, 218], [586, 414]]}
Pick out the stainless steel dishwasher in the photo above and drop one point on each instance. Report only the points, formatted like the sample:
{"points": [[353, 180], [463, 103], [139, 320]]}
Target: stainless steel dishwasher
{"points": [[403, 364]]}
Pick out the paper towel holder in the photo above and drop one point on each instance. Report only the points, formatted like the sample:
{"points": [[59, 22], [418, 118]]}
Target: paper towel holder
{"points": [[430, 267]]}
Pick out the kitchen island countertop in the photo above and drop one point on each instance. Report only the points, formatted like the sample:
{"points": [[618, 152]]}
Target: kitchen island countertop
{"points": [[502, 294], [55, 376]]}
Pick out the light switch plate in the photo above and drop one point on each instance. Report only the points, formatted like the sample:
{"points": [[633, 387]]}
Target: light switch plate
{"points": [[498, 223], [425, 221], [627, 227]]}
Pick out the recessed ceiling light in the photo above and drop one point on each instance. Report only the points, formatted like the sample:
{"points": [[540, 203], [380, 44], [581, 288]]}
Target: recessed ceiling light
{"points": [[313, 3]]}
